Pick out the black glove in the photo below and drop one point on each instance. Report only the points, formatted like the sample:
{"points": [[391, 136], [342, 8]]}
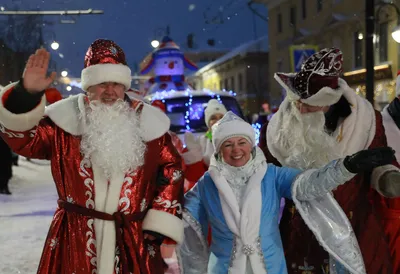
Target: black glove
{"points": [[159, 238], [366, 160]]}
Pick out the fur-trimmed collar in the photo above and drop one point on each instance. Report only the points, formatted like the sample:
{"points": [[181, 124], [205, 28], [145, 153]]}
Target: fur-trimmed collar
{"points": [[66, 115], [392, 132], [355, 133]]}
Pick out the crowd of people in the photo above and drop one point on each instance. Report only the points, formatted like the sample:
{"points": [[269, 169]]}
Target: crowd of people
{"points": [[132, 195]]}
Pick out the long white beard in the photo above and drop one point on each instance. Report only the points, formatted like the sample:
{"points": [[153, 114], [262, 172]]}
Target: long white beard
{"points": [[304, 140], [112, 139]]}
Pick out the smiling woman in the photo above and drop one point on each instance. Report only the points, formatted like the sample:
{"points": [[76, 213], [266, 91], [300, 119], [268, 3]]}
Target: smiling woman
{"points": [[236, 151], [239, 199]]}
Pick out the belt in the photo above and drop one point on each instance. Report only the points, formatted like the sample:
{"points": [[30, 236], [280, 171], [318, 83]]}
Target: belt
{"points": [[121, 220]]}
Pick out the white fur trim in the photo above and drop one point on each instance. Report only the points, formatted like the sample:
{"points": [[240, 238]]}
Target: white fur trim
{"points": [[100, 188], [377, 173], [224, 131], [359, 128], [357, 131], [192, 156], [153, 122], [67, 112], [324, 97], [245, 224], [97, 74], [289, 93], [398, 85], [106, 200], [24, 121], [164, 223], [392, 132]]}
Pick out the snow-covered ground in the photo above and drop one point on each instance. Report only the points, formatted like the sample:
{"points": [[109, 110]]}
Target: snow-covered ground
{"points": [[25, 217]]}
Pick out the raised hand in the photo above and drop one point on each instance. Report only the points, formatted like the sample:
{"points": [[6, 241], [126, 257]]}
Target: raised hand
{"points": [[191, 142], [366, 160], [35, 77]]}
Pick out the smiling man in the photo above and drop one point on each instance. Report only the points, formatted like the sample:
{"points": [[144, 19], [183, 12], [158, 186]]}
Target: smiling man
{"points": [[117, 174]]}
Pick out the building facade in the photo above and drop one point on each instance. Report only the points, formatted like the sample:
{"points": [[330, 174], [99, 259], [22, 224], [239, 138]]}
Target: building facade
{"points": [[244, 70], [338, 23]]}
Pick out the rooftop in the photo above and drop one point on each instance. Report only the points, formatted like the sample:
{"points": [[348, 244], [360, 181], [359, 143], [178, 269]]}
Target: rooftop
{"points": [[259, 45]]}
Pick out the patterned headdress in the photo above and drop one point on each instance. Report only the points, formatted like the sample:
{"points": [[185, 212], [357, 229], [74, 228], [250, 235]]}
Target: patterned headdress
{"points": [[318, 82]]}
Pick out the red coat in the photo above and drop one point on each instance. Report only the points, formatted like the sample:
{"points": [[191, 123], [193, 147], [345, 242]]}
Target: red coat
{"points": [[71, 243], [303, 251]]}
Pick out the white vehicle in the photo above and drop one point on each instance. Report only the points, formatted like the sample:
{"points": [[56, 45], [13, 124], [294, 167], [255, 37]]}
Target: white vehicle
{"points": [[185, 109]]}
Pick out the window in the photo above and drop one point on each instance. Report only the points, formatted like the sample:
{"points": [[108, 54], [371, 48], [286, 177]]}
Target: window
{"points": [[293, 16], [358, 51], [381, 44], [226, 85], [319, 5], [279, 22], [304, 8], [279, 65], [232, 86], [240, 82], [221, 85]]}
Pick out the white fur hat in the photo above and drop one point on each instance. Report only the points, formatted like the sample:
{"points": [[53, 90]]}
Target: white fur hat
{"points": [[398, 84], [105, 62], [213, 107], [230, 126]]}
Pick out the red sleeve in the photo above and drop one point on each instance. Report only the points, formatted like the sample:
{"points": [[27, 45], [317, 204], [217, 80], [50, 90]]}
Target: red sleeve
{"points": [[165, 215], [28, 134]]}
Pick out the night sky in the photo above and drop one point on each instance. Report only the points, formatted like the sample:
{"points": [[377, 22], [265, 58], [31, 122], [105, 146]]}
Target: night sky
{"points": [[134, 24]]}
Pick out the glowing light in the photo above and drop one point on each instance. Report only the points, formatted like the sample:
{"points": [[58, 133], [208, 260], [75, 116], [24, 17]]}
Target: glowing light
{"points": [[64, 73], [396, 34], [69, 88], [55, 45], [257, 129], [155, 43], [190, 111]]}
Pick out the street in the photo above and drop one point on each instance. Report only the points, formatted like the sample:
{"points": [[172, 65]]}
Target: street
{"points": [[25, 216]]}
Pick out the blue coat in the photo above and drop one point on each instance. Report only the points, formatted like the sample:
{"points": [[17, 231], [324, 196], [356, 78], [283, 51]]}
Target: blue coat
{"points": [[203, 203]]}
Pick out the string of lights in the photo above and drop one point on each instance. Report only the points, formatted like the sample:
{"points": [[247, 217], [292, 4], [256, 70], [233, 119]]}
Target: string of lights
{"points": [[190, 111]]}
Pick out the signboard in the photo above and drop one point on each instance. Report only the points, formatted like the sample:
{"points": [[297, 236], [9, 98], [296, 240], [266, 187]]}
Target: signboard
{"points": [[381, 72], [299, 54]]}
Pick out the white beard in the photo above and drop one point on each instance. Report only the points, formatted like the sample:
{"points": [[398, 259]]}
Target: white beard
{"points": [[304, 140], [112, 139]]}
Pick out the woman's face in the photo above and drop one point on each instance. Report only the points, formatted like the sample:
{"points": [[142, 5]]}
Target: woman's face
{"points": [[236, 151], [214, 118]]}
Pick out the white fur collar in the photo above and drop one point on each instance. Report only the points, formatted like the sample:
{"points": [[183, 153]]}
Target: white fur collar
{"points": [[354, 134], [66, 115], [392, 132], [244, 223]]}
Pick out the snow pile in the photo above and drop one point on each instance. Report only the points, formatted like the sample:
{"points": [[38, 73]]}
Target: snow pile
{"points": [[25, 217]]}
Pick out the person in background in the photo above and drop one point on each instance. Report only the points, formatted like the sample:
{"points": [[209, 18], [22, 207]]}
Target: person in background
{"points": [[200, 150], [6, 163]]}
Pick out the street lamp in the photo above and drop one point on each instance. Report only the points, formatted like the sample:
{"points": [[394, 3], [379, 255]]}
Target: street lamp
{"points": [[396, 34], [55, 45], [64, 73], [369, 41], [158, 33], [155, 43]]}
